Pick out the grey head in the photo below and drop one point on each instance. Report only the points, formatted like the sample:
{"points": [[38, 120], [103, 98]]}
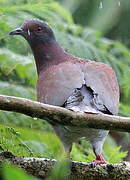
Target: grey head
{"points": [[35, 32]]}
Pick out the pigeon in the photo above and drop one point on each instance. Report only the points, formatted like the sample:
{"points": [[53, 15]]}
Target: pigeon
{"points": [[78, 84]]}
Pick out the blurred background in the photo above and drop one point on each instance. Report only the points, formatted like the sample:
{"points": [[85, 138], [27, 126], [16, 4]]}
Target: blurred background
{"points": [[98, 30]]}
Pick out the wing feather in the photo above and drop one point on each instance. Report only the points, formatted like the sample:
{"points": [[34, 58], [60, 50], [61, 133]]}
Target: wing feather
{"points": [[102, 80]]}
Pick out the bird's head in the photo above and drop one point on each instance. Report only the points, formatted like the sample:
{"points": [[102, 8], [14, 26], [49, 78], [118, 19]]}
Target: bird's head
{"points": [[35, 32]]}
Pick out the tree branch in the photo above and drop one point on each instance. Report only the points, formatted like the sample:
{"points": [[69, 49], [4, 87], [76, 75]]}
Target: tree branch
{"points": [[41, 167], [55, 114]]}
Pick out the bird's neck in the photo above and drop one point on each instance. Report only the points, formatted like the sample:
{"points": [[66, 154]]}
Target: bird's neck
{"points": [[48, 54]]}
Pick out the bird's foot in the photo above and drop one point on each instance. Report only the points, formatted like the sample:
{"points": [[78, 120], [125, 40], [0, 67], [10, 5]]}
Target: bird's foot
{"points": [[99, 160]]}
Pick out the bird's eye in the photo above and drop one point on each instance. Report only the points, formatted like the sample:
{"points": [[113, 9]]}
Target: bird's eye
{"points": [[39, 29]]}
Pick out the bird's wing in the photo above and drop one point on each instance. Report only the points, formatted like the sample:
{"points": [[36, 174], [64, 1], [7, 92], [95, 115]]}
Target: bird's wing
{"points": [[58, 82], [102, 80]]}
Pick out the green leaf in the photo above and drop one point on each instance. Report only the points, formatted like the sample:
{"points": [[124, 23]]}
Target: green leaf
{"points": [[10, 172], [61, 170]]}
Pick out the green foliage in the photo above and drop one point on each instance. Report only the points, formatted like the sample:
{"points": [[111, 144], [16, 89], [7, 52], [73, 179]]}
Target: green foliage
{"points": [[109, 17], [112, 153], [29, 142], [60, 170], [10, 172], [14, 65]]}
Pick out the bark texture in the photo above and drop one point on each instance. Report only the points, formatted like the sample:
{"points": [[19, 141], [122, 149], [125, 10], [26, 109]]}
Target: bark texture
{"points": [[41, 167], [55, 114]]}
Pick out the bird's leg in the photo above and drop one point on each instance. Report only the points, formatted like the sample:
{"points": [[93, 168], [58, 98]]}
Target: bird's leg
{"points": [[99, 159], [97, 148]]}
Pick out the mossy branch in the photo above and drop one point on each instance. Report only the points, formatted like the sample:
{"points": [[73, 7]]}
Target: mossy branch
{"points": [[41, 167]]}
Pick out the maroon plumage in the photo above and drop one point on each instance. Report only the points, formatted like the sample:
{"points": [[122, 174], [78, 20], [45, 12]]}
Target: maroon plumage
{"points": [[71, 82]]}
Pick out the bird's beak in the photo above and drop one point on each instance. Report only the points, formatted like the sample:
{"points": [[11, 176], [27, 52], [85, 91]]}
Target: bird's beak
{"points": [[18, 31]]}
